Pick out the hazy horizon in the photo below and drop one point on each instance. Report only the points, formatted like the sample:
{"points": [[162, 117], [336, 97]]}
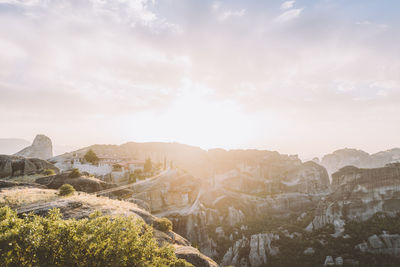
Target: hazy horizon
{"points": [[299, 77]]}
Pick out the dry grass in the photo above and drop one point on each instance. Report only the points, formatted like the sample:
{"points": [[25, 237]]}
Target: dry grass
{"points": [[17, 196], [26, 178], [113, 206]]}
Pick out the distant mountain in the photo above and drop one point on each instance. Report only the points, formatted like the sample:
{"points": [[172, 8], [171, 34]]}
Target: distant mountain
{"points": [[10, 146], [358, 158]]}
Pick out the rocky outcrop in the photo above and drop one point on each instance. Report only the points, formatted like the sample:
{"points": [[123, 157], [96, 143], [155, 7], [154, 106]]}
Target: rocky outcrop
{"points": [[251, 252], [83, 183], [11, 166], [41, 148], [358, 194], [382, 244], [192, 255], [358, 158]]}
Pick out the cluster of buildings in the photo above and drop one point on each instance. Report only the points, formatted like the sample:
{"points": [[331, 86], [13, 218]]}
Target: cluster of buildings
{"points": [[109, 169]]}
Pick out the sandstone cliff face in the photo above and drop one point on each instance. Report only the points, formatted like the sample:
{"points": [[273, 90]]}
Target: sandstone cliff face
{"points": [[357, 194], [11, 166], [214, 213], [358, 158], [41, 148]]}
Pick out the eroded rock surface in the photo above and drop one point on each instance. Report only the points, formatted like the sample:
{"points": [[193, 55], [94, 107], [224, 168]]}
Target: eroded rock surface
{"points": [[11, 166], [41, 148]]}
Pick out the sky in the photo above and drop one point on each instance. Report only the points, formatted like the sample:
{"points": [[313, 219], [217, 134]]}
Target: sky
{"points": [[301, 77]]}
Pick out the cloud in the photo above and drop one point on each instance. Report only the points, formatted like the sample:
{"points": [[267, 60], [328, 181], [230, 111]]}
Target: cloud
{"points": [[230, 13], [287, 5], [116, 65], [289, 15]]}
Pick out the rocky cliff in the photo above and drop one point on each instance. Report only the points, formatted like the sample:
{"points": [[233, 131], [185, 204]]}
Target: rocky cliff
{"points": [[11, 166], [225, 212], [41, 148], [358, 158]]}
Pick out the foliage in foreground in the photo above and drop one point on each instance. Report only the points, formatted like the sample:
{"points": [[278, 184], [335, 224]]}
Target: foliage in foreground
{"points": [[66, 190], [97, 241], [163, 224]]}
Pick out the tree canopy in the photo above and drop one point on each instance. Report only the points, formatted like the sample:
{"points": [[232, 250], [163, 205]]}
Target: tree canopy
{"points": [[91, 157]]}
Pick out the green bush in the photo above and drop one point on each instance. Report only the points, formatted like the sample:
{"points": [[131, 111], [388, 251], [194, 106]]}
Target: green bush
{"points": [[96, 241], [66, 190], [163, 224], [75, 173], [48, 172]]}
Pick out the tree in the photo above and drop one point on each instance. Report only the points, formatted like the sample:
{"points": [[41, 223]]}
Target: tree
{"points": [[148, 166], [91, 157]]}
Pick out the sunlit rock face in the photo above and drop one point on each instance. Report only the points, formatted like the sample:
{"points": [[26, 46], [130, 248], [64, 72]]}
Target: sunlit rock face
{"points": [[357, 194], [381, 244], [215, 213], [12, 166], [358, 158], [41, 148]]}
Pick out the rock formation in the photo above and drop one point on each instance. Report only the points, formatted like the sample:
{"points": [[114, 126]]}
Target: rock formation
{"points": [[11, 166], [41, 148], [83, 183], [358, 158]]}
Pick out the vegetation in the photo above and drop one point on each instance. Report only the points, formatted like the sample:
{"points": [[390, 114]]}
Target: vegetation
{"points": [[163, 224], [48, 172], [378, 223], [91, 157], [66, 190], [148, 166], [75, 173], [96, 241]]}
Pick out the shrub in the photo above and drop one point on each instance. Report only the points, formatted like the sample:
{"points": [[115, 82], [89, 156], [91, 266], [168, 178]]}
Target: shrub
{"points": [[95, 241], [163, 224], [48, 172], [75, 173], [66, 190]]}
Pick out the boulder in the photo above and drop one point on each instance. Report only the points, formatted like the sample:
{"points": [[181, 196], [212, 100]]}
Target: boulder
{"points": [[83, 183], [11, 166]]}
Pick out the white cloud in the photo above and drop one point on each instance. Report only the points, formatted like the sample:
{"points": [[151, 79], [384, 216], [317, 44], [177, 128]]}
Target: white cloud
{"points": [[287, 5], [229, 14], [382, 93], [289, 15]]}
